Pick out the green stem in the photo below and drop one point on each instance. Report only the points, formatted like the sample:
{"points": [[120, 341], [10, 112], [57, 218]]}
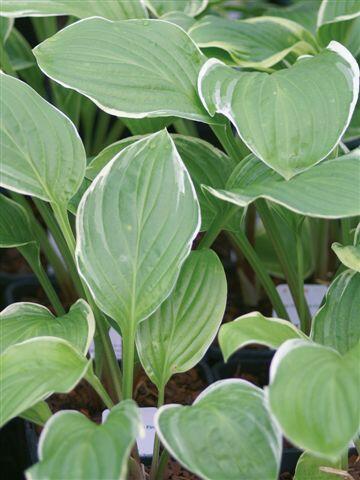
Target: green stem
{"points": [[155, 459], [164, 458], [110, 358], [128, 355], [240, 239], [99, 389], [346, 231], [115, 132], [61, 274], [44, 281], [216, 227], [285, 262], [300, 278], [102, 126], [184, 127], [322, 240]]}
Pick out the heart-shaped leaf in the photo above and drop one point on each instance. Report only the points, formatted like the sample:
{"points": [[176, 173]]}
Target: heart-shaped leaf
{"points": [[72, 447], [255, 328], [257, 42], [42, 152], [23, 321], [314, 394], [340, 20], [134, 235], [177, 335], [189, 7], [308, 467], [327, 190], [33, 370], [205, 163], [337, 324], [285, 118], [114, 10], [227, 433], [138, 81]]}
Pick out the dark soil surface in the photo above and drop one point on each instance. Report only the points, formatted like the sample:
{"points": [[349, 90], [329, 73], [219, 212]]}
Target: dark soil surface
{"points": [[182, 388]]}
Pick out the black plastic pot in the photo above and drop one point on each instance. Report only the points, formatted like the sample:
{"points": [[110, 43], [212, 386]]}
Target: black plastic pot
{"points": [[289, 459], [18, 444]]}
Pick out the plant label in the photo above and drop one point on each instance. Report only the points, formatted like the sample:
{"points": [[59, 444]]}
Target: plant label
{"points": [[145, 443], [314, 295], [115, 338]]}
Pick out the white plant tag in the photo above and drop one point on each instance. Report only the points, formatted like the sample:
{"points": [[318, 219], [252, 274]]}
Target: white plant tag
{"points": [[313, 293], [115, 338], [145, 444]]}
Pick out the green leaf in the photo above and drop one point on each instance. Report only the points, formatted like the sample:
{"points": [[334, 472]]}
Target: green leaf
{"points": [[42, 152], [114, 9], [336, 324], [265, 250], [181, 19], [6, 24], [314, 394], [349, 255], [39, 413], [72, 447], [153, 74], [189, 7], [291, 123], [19, 51], [308, 467], [23, 321], [205, 163], [302, 12], [134, 235], [257, 42], [227, 433], [255, 328], [340, 20], [327, 190], [177, 335], [33, 370], [15, 227], [143, 126]]}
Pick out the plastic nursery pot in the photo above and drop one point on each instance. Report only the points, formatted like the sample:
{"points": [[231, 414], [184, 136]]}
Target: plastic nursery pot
{"points": [[250, 364], [18, 446]]}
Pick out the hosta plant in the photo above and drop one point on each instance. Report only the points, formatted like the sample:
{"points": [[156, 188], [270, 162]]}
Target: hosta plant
{"points": [[134, 217]]}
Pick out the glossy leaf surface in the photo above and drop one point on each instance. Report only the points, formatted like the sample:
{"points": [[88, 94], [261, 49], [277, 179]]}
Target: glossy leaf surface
{"points": [[290, 123], [331, 187], [33, 370], [337, 324], [134, 235], [74, 448], [227, 433], [256, 42], [42, 152], [153, 74], [23, 321], [114, 9], [177, 335], [255, 328], [205, 163], [309, 385]]}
